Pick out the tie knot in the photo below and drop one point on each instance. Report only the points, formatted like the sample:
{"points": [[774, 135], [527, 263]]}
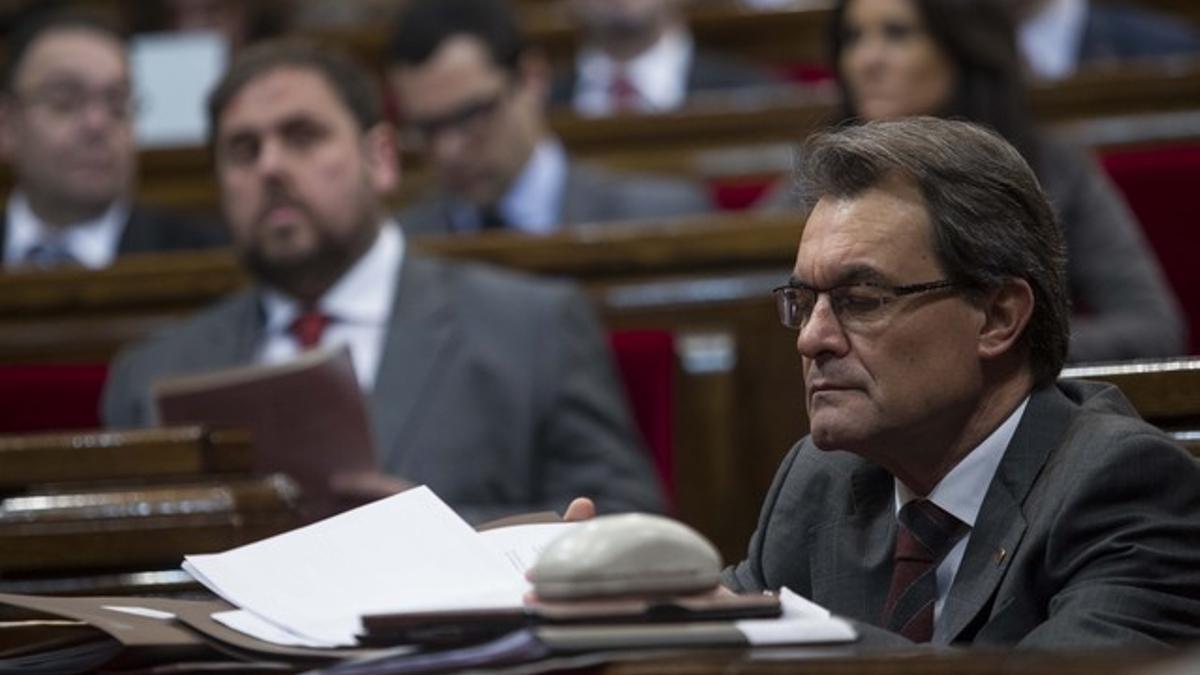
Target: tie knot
{"points": [[625, 95], [51, 253], [926, 531], [308, 327]]}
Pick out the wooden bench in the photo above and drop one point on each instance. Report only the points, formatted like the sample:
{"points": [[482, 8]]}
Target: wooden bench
{"points": [[116, 511], [1165, 393]]}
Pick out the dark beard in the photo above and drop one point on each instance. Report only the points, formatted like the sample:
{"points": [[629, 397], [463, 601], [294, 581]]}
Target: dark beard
{"points": [[307, 278]]}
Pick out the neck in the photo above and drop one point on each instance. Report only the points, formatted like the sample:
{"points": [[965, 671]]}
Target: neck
{"points": [[59, 213], [944, 447], [627, 46]]}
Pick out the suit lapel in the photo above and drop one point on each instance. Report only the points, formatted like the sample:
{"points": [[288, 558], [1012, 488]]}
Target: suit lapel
{"points": [[851, 553], [1001, 524], [418, 333], [135, 234]]}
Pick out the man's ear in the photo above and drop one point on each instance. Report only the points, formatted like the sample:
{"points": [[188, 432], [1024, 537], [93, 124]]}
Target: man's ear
{"points": [[382, 157], [1007, 311]]}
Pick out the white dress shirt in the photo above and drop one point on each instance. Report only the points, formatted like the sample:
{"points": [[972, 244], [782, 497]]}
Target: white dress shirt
{"points": [[1050, 40], [533, 202], [93, 243], [960, 493], [659, 74], [359, 304]]}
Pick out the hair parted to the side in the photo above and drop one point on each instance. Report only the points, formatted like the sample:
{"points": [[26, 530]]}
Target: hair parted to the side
{"points": [[38, 22], [991, 221], [424, 25], [350, 82]]}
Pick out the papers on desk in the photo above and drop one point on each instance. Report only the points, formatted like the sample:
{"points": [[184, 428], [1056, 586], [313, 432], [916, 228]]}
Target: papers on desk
{"points": [[409, 552]]}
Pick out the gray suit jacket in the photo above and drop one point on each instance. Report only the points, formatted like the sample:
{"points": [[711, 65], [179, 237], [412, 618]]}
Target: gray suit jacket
{"points": [[590, 195], [493, 389], [1089, 534]]}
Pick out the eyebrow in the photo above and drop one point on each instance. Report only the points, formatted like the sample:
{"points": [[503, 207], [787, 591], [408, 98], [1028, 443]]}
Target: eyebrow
{"points": [[854, 274]]}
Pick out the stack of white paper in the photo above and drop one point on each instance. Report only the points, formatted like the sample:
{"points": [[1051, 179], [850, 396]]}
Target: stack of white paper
{"points": [[409, 552]]}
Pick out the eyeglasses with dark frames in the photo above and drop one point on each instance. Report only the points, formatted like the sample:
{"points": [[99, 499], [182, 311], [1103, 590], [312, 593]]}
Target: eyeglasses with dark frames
{"points": [[855, 305]]}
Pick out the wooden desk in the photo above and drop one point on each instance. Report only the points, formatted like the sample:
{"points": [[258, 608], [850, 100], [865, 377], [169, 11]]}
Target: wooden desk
{"points": [[811, 661]]}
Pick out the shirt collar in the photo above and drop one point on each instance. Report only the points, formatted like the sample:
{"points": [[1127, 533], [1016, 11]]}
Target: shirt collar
{"points": [[363, 295], [1051, 38], [533, 202], [960, 492], [659, 73], [92, 242]]}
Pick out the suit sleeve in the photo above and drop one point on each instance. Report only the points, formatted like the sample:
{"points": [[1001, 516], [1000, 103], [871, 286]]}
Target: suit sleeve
{"points": [[586, 439], [124, 403], [748, 576], [1124, 551]]}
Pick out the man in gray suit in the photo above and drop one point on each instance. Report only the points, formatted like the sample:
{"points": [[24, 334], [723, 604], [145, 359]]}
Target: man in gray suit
{"points": [[952, 490], [493, 389], [473, 96]]}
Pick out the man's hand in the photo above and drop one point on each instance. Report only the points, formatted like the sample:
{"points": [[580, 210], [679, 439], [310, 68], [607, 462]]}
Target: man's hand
{"points": [[580, 508]]}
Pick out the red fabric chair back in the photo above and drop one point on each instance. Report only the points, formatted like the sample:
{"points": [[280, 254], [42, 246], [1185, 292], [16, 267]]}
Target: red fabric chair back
{"points": [[50, 397], [646, 363], [1160, 185]]}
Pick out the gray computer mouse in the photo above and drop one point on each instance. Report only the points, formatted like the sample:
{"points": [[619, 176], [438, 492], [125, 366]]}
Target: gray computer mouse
{"points": [[630, 554]]}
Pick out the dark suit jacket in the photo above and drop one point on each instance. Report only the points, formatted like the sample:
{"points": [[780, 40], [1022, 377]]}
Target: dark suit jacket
{"points": [[149, 230], [1096, 512], [1116, 32], [493, 389], [709, 73], [590, 195]]}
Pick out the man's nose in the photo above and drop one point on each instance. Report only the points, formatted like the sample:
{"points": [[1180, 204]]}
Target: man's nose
{"points": [[448, 145], [822, 333], [98, 115], [272, 158]]}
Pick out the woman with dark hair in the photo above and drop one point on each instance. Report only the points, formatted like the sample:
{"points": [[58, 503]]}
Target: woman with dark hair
{"points": [[958, 58]]}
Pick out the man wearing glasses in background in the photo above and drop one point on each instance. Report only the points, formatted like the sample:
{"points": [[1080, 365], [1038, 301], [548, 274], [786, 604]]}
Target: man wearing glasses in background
{"points": [[953, 490], [473, 95], [66, 130]]}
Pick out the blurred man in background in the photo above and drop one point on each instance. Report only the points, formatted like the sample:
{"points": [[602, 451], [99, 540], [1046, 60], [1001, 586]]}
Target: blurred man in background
{"points": [[66, 130], [473, 94]]}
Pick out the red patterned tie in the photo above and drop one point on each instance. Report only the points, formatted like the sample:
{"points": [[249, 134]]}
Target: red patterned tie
{"points": [[624, 95], [308, 327], [925, 535]]}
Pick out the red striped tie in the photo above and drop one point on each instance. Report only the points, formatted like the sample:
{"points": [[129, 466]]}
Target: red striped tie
{"points": [[925, 535], [623, 93], [308, 327]]}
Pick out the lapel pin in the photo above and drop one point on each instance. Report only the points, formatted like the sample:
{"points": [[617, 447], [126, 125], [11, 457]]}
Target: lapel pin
{"points": [[1001, 554]]}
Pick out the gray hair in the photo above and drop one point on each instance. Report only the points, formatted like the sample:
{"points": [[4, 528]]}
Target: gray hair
{"points": [[991, 220]]}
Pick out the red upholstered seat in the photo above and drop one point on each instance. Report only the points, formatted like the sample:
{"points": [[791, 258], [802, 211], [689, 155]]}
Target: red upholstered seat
{"points": [[1160, 185], [50, 397], [646, 363]]}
